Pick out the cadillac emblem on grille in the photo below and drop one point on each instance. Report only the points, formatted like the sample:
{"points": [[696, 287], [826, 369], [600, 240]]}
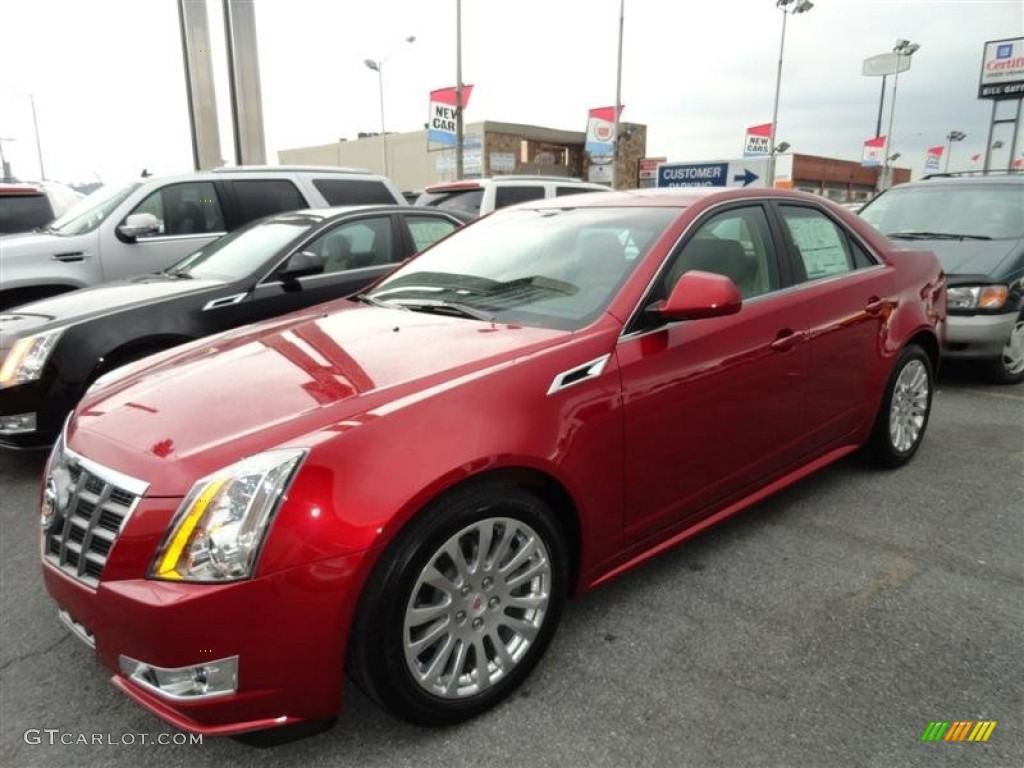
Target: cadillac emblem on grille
{"points": [[84, 508]]}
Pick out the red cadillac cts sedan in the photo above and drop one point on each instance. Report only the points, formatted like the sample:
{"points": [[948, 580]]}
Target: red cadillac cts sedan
{"points": [[406, 485]]}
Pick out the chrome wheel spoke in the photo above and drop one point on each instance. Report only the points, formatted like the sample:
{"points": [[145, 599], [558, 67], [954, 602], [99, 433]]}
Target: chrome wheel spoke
{"points": [[471, 616], [908, 408]]}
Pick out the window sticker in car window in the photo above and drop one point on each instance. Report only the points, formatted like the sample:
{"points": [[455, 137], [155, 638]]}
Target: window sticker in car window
{"points": [[820, 246]]}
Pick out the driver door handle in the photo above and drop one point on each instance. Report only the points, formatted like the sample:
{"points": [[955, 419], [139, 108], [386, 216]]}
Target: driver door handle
{"points": [[787, 339]]}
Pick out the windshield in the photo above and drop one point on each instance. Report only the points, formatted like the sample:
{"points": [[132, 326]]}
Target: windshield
{"points": [[552, 268], [985, 211], [89, 213], [243, 252]]}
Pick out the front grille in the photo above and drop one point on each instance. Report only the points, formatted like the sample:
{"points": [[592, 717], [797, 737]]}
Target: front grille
{"points": [[90, 506]]}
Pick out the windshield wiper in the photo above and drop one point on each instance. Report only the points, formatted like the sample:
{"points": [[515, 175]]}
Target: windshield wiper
{"points": [[441, 307], [935, 236], [374, 301], [180, 275]]}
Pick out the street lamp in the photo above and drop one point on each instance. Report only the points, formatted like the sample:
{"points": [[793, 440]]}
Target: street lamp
{"points": [[378, 67], [787, 7], [950, 138], [901, 49]]}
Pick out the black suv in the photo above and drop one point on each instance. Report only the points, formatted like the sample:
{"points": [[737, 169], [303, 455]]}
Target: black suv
{"points": [[975, 224]]}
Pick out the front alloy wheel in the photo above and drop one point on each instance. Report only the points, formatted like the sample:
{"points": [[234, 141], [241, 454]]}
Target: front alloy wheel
{"points": [[461, 605]]}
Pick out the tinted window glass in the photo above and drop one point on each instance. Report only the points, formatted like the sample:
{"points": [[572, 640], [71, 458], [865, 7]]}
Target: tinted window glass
{"points": [[563, 191], [354, 192], [463, 200], [262, 197], [184, 209], [22, 213], [508, 195], [426, 230], [356, 244], [736, 243], [820, 243]]}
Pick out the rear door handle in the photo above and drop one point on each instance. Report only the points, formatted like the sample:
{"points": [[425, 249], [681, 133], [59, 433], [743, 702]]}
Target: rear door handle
{"points": [[786, 340]]}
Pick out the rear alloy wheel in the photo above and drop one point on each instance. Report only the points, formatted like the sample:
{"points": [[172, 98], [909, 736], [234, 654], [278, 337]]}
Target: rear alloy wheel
{"points": [[903, 416], [461, 607], [1009, 368]]}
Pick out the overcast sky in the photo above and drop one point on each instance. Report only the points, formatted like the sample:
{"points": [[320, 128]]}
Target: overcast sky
{"points": [[109, 90]]}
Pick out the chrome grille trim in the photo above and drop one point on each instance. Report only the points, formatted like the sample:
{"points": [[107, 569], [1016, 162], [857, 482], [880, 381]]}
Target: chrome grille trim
{"points": [[85, 528]]}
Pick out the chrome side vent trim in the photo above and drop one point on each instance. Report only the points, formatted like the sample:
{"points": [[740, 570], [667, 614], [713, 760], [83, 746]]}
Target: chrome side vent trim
{"points": [[224, 301], [579, 374]]}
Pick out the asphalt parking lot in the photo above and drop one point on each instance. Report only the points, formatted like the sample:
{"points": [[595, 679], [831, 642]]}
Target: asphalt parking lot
{"points": [[825, 627]]}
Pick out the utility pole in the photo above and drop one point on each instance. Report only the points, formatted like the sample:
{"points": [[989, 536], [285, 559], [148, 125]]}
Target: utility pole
{"points": [[458, 91]]}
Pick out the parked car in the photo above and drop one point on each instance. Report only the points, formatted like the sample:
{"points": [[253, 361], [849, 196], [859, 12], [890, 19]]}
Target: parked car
{"points": [[975, 224], [149, 224], [25, 206], [481, 196], [54, 348], [412, 481]]}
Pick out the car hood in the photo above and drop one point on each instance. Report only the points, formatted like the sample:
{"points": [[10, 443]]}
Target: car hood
{"points": [[192, 410], [966, 257], [88, 303]]}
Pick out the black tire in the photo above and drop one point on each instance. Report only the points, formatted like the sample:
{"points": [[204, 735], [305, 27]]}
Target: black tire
{"points": [[378, 660], [1008, 368], [906, 405]]}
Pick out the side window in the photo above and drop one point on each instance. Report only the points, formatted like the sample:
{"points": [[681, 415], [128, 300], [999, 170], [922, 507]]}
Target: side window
{"points": [[427, 230], [563, 191], [354, 192], [509, 195], [736, 243], [861, 258], [356, 244], [821, 245], [189, 208], [261, 197]]}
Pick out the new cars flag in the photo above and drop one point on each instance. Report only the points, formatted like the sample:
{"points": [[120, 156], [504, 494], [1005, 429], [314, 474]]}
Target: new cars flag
{"points": [[443, 110], [758, 141], [874, 152], [933, 158]]}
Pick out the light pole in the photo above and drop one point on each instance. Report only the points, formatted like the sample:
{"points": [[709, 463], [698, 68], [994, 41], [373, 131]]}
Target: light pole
{"points": [[787, 7], [901, 49], [618, 100], [459, 159], [378, 67], [950, 138]]}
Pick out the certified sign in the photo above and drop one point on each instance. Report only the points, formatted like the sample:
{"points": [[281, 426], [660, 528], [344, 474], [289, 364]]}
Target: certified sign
{"points": [[1002, 70]]}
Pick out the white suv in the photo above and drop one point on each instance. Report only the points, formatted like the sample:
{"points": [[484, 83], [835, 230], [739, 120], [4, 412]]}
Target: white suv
{"points": [[481, 196], [151, 223]]}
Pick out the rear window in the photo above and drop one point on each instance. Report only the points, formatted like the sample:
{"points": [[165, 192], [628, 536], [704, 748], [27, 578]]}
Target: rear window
{"points": [[354, 192], [563, 191], [462, 200], [23, 213]]}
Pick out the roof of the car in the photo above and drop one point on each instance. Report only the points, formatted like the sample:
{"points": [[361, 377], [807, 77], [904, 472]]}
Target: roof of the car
{"points": [[669, 197], [441, 186], [267, 170], [971, 178]]}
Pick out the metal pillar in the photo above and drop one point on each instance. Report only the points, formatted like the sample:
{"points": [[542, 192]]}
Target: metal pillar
{"points": [[202, 100], [244, 82]]}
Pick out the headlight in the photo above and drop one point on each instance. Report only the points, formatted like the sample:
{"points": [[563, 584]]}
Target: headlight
{"points": [[27, 357], [220, 526], [976, 296]]}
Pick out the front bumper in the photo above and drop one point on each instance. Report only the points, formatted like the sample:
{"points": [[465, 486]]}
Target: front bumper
{"points": [[50, 411], [977, 337], [287, 629]]}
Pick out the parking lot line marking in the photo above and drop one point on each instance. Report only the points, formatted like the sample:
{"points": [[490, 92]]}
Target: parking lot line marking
{"points": [[1003, 396]]}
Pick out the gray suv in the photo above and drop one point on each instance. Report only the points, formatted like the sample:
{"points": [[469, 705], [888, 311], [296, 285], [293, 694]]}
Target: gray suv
{"points": [[975, 225], [151, 223]]}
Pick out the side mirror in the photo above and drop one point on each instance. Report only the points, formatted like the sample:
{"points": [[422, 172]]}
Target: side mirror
{"points": [[301, 264], [138, 225], [697, 295]]}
